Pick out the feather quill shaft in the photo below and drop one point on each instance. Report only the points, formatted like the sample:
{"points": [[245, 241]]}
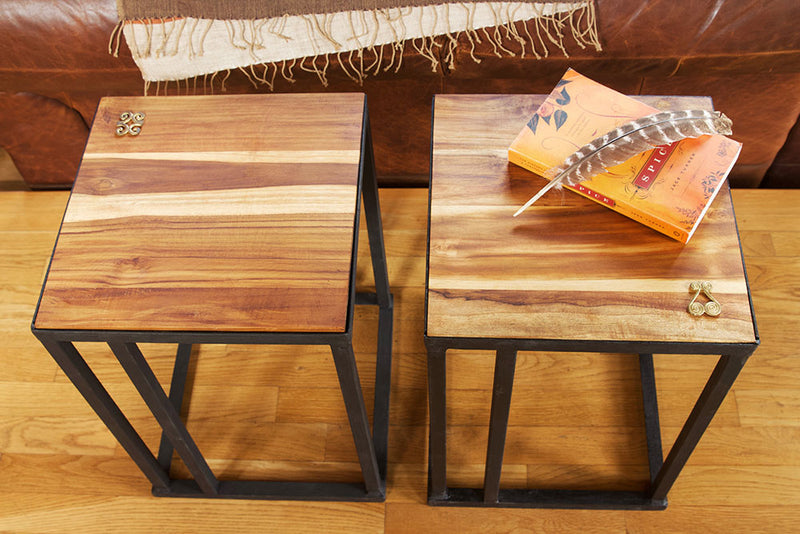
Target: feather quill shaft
{"points": [[629, 139]]}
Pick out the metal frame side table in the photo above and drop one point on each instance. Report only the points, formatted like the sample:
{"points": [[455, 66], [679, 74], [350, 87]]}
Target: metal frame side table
{"points": [[258, 166], [569, 277]]}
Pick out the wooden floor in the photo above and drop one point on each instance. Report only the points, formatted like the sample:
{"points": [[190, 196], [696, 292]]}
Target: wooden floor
{"points": [[575, 419]]}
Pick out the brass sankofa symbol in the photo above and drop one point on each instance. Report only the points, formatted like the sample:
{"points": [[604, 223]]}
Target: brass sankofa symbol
{"points": [[130, 123], [712, 307]]}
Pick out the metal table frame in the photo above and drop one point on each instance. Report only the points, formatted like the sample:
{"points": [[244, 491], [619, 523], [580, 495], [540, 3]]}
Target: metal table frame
{"points": [[663, 472], [370, 443]]}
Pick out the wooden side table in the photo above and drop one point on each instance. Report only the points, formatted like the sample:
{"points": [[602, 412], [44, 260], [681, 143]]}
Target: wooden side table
{"points": [[224, 219], [566, 276]]}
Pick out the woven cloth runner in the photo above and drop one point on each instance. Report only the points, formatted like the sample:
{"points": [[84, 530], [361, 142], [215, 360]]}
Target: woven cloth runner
{"points": [[181, 40]]}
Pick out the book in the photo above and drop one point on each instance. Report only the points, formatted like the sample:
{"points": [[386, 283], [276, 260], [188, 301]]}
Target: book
{"points": [[668, 188]]}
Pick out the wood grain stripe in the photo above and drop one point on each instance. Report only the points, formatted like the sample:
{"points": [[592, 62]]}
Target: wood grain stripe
{"points": [[262, 156], [235, 309], [584, 315], [729, 287], [119, 176], [220, 203]]}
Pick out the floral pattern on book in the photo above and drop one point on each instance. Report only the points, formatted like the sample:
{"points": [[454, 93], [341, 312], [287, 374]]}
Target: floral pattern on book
{"points": [[551, 108], [690, 215], [710, 182]]}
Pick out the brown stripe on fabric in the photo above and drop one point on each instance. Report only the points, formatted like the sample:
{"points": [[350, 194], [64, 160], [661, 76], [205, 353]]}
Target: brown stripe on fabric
{"points": [[121, 177], [252, 9]]}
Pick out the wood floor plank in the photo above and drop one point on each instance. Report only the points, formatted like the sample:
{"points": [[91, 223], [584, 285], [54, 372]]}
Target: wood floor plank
{"points": [[713, 519], [466, 520], [744, 485], [33, 399], [603, 477], [160, 357], [720, 445], [755, 243], [514, 476], [229, 404], [745, 445], [773, 280], [51, 434], [314, 405], [73, 475], [775, 362], [769, 407], [39, 513], [297, 471], [786, 243], [31, 252], [768, 211], [299, 442], [406, 483], [282, 365], [558, 445], [41, 211], [22, 358]]}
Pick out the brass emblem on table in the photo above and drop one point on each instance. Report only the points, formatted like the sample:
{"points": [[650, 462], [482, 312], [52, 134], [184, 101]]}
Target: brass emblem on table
{"points": [[130, 123], [712, 307]]}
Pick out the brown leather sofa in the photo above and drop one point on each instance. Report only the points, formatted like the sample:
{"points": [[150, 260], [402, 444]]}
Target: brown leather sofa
{"points": [[55, 66]]}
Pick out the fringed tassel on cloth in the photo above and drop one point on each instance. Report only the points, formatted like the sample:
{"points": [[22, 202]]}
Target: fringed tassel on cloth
{"points": [[181, 49]]}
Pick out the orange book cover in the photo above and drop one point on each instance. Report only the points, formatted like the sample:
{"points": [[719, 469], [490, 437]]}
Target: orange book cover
{"points": [[668, 188]]}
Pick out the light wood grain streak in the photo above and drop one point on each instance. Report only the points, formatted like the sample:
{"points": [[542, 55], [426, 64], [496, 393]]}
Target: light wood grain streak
{"points": [[240, 202], [532, 283], [548, 315], [261, 156]]}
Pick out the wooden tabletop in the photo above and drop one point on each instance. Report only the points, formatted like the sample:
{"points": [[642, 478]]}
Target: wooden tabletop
{"points": [[226, 213], [567, 268]]}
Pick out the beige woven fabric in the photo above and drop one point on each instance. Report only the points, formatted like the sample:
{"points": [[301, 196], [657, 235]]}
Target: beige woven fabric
{"points": [[183, 43]]}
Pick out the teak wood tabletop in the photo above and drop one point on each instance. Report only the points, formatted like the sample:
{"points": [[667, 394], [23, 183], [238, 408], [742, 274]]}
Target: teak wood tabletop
{"points": [[567, 268], [232, 214]]}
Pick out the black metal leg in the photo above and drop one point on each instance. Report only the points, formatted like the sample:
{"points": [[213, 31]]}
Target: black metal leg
{"points": [[165, 413], [383, 298], [177, 389], [74, 366], [655, 456], [372, 212], [663, 473], [383, 383], [505, 364], [350, 385], [718, 385], [437, 439]]}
